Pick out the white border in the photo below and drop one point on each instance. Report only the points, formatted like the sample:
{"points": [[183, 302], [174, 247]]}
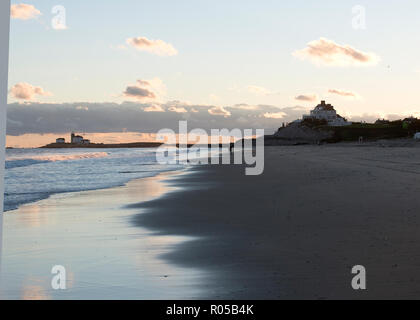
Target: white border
{"points": [[4, 74]]}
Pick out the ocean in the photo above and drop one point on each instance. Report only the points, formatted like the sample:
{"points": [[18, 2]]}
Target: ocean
{"points": [[36, 174]]}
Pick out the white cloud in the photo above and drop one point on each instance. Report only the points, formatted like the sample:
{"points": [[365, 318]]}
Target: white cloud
{"points": [[24, 11], [327, 52], [154, 108], [26, 91], [157, 47], [177, 109], [244, 106], [274, 115], [219, 111]]}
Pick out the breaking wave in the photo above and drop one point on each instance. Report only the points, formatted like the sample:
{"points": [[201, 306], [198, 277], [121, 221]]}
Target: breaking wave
{"points": [[24, 161]]}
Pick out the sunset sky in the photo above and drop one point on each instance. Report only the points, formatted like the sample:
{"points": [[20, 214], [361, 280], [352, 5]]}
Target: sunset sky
{"points": [[246, 64]]}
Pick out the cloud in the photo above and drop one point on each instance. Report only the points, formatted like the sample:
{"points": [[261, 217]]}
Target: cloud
{"points": [[327, 52], [276, 115], [260, 91], [177, 109], [219, 111], [343, 93], [154, 108], [139, 93], [177, 106], [134, 116], [146, 90], [157, 47], [244, 106], [24, 11], [26, 91], [307, 97]]}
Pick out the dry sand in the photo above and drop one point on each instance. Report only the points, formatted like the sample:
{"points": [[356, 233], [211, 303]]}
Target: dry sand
{"points": [[297, 230]]}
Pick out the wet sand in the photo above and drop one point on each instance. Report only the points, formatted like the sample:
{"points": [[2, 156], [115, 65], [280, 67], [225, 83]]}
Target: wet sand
{"points": [[297, 230], [90, 234]]}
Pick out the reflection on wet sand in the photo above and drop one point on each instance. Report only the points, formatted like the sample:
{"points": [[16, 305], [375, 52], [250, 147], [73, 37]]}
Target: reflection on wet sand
{"points": [[33, 216], [34, 293], [34, 289], [90, 234]]}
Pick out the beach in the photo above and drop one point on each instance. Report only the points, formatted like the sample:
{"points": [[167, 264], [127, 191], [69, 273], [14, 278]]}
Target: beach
{"points": [[90, 234], [211, 232], [107, 109], [296, 231]]}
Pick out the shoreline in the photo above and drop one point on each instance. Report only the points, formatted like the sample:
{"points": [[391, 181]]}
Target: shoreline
{"points": [[90, 233]]}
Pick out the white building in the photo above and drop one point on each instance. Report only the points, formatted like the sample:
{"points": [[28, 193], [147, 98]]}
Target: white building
{"points": [[327, 112], [60, 140], [76, 139]]}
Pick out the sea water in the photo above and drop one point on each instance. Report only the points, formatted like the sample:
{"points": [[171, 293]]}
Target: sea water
{"points": [[36, 174]]}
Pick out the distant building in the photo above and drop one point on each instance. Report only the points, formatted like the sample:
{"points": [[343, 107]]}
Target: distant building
{"points": [[327, 112], [76, 139]]}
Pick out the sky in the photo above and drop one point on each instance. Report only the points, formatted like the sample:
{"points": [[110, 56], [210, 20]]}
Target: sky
{"points": [[233, 63]]}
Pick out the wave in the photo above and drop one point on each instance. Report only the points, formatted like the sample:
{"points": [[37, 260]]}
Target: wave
{"points": [[65, 171], [17, 162], [22, 163]]}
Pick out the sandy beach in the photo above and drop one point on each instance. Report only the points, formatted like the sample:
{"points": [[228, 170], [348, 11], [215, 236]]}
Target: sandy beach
{"points": [[212, 232], [297, 230]]}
